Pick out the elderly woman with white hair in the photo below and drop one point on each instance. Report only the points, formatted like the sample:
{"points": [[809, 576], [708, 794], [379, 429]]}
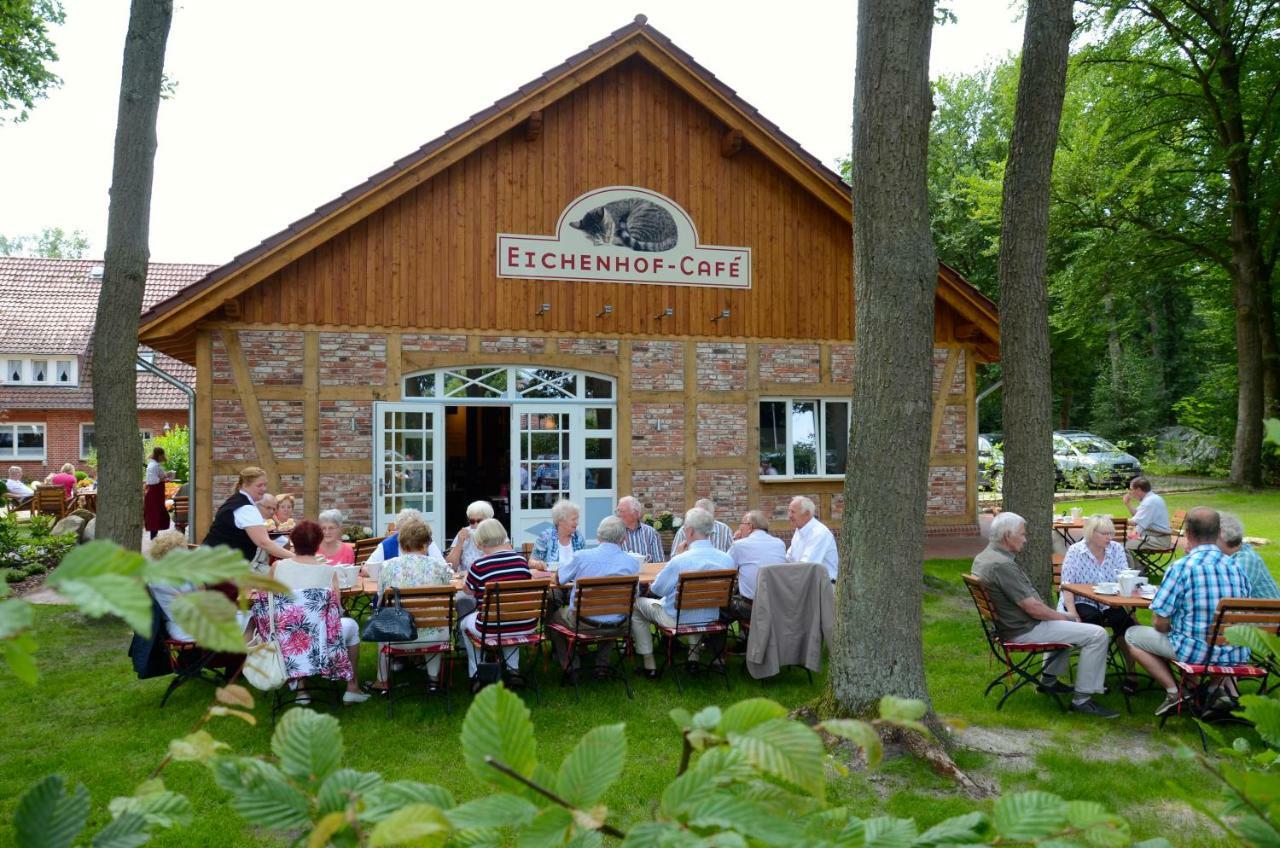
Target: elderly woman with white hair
{"points": [[333, 550], [557, 545], [1098, 558], [1022, 616], [464, 551]]}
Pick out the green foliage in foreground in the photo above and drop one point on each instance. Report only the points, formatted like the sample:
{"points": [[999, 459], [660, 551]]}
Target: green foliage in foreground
{"points": [[749, 776]]}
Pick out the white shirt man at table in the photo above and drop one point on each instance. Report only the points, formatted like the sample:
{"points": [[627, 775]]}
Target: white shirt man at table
{"points": [[1022, 616], [661, 609], [812, 540], [753, 548], [641, 538], [1150, 528], [607, 559], [721, 537], [14, 485]]}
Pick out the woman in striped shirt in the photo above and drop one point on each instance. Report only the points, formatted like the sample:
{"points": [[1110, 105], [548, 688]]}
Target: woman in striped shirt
{"points": [[499, 562]]}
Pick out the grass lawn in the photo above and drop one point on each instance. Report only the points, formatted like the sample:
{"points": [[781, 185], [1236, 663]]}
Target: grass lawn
{"points": [[93, 722]]}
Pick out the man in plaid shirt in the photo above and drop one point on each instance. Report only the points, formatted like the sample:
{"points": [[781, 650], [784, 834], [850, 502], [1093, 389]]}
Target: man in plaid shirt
{"points": [[1184, 607]]}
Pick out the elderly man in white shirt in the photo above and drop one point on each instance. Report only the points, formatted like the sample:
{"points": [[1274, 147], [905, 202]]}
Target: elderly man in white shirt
{"points": [[754, 547], [14, 485], [812, 541], [1150, 528]]}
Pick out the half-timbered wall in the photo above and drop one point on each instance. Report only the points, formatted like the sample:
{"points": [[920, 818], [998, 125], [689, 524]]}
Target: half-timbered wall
{"points": [[298, 401]]}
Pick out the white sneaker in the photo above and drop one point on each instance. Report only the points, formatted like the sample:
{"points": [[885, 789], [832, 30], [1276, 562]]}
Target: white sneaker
{"points": [[350, 697]]}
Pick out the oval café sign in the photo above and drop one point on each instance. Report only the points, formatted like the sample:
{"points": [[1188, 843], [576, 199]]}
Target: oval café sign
{"points": [[624, 234]]}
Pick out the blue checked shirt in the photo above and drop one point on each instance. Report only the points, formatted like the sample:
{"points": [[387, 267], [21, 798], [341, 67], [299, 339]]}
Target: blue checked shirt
{"points": [[1188, 597], [1261, 583]]}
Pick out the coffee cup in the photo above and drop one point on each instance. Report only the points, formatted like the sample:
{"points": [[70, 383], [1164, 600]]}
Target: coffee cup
{"points": [[1129, 584]]}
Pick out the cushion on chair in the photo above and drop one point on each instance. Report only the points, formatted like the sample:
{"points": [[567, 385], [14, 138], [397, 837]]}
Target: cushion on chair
{"points": [[1233, 670], [508, 640], [686, 629]]}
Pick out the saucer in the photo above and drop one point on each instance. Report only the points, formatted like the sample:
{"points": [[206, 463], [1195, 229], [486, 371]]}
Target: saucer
{"points": [[1107, 589]]}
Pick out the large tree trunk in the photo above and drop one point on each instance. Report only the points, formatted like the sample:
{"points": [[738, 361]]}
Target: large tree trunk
{"points": [[1024, 311], [1270, 348], [115, 331], [878, 646]]}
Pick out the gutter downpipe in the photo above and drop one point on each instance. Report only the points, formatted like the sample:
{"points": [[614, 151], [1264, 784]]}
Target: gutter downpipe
{"points": [[152, 368], [988, 390]]}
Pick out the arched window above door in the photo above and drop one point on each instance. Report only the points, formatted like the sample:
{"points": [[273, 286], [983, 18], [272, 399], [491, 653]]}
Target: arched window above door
{"points": [[505, 383]]}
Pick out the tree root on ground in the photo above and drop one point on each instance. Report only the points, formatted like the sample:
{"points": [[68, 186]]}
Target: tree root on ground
{"points": [[938, 759]]}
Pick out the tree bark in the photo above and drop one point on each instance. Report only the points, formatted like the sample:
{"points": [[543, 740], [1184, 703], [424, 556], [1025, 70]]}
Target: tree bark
{"points": [[1270, 348], [1024, 311], [115, 330], [878, 646]]}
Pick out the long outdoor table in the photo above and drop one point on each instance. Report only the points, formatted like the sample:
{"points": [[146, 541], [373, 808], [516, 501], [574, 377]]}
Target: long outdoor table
{"points": [[1086, 590], [1064, 528]]}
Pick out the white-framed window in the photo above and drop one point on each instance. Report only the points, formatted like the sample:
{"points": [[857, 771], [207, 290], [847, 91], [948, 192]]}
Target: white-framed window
{"points": [[86, 439], [146, 354], [504, 383], [41, 371], [22, 441], [803, 437]]}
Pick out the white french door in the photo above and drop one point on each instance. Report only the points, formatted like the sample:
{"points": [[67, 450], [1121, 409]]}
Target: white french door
{"points": [[560, 451], [408, 463]]}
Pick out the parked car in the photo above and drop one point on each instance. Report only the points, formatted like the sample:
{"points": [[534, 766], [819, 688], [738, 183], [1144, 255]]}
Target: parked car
{"points": [[990, 460], [1083, 458]]}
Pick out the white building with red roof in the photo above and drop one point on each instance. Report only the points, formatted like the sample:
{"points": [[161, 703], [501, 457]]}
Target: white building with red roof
{"points": [[47, 309]]}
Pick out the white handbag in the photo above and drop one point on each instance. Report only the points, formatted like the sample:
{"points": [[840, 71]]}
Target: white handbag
{"points": [[263, 663]]}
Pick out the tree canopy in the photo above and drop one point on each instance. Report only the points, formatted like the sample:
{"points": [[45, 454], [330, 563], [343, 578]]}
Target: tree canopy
{"points": [[26, 52]]}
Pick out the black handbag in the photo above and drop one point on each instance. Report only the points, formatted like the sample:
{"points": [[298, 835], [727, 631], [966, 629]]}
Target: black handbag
{"points": [[390, 624]]}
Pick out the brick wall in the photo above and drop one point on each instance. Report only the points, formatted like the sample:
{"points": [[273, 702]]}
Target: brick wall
{"points": [[231, 438], [295, 484], [224, 485], [842, 363], [353, 359], [589, 347], [283, 420], [790, 363], [722, 429], [952, 436], [947, 491], [427, 343], [351, 493], [657, 429], [722, 366], [837, 507], [274, 356], [775, 506], [659, 490], [940, 355], [62, 436], [339, 439], [657, 366], [728, 488], [513, 344]]}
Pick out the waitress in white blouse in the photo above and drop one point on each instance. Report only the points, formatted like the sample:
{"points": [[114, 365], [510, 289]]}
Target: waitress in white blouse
{"points": [[155, 517]]}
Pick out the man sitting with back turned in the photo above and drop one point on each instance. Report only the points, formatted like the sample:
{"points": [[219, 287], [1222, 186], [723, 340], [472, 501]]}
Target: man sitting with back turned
{"points": [[661, 609], [721, 536], [1024, 617], [605, 560], [753, 548], [1184, 607], [812, 541]]}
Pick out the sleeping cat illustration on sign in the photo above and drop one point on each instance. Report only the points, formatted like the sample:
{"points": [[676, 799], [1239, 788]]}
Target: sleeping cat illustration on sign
{"points": [[632, 222]]}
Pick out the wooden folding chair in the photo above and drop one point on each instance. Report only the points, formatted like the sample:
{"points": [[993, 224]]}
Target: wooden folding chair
{"points": [[17, 503], [50, 500], [1153, 560], [595, 598], [507, 602], [364, 548], [1004, 650], [432, 609], [1195, 680], [701, 590], [181, 510]]}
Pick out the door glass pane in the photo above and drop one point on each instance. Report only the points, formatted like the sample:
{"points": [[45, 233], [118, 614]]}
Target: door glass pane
{"points": [[600, 418], [773, 438], [804, 437], [599, 388], [599, 449], [546, 383], [835, 438], [599, 478]]}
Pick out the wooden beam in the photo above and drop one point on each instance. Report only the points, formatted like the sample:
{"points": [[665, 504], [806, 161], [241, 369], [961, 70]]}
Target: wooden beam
{"points": [[311, 423], [201, 506], [231, 309], [966, 331], [940, 398], [533, 126], [731, 142], [252, 411]]}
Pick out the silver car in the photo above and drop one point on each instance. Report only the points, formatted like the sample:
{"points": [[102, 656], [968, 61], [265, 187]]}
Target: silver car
{"points": [[1085, 459]]}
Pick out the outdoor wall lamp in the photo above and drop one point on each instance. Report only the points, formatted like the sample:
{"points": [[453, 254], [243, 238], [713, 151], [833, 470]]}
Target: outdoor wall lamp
{"points": [[666, 313], [608, 310], [724, 313], [545, 308]]}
